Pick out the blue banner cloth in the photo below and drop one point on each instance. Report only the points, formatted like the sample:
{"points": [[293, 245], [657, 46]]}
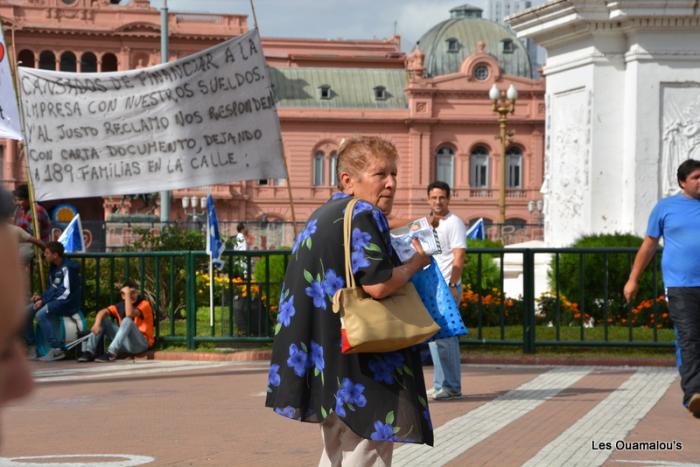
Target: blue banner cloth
{"points": [[436, 296], [72, 237], [477, 231], [215, 247]]}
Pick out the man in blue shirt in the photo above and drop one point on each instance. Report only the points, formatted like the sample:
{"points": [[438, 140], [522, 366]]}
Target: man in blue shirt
{"points": [[677, 219], [61, 298]]}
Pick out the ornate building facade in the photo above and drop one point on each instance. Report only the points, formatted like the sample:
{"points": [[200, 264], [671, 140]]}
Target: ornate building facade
{"points": [[432, 104]]}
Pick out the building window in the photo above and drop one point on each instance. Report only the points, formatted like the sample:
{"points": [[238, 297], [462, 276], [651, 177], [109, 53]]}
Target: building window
{"points": [[380, 93], [26, 58], [508, 46], [333, 176], [88, 63], [479, 167], [2, 162], [68, 62], [325, 91], [47, 60], [452, 45], [109, 62], [445, 163], [318, 169], [481, 72], [514, 168]]}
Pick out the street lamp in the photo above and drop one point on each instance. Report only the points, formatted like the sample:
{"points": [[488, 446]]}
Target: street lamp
{"points": [[192, 202], [503, 104], [535, 208]]}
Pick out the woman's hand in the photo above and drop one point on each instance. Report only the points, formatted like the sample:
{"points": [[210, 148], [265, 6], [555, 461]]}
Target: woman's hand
{"points": [[422, 260]]}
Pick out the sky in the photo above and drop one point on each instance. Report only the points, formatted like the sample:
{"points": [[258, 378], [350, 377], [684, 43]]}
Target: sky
{"points": [[333, 19]]}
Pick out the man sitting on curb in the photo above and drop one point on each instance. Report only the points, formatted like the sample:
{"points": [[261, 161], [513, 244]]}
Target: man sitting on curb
{"points": [[133, 333], [61, 298]]}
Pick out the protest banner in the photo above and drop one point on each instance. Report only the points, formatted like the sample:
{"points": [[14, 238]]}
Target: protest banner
{"points": [[9, 116], [204, 119]]}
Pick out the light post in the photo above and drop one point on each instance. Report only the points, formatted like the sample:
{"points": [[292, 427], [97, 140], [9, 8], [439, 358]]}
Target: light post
{"points": [[535, 209], [191, 202], [503, 104]]}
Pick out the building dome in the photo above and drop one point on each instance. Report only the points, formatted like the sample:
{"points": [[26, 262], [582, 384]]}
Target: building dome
{"points": [[449, 42]]}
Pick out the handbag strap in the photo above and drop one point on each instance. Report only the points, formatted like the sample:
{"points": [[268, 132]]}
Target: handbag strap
{"points": [[347, 237]]}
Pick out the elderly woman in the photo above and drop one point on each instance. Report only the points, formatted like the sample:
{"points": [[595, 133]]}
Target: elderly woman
{"points": [[365, 402], [15, 377]]}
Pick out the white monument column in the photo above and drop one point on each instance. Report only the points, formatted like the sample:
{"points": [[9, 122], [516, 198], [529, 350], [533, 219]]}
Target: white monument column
{"points": [[623, 109]]}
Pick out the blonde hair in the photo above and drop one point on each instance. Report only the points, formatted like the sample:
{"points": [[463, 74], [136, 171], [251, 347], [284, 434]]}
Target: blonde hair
{"points": [[355, 152]]}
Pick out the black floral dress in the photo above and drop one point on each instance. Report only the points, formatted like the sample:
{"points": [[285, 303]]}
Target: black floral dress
{"points": [[379, 396]]}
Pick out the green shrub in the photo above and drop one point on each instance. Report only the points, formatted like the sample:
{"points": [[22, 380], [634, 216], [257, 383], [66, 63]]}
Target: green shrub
{"points": [[594, 266], [490, 272], [277, 270]]}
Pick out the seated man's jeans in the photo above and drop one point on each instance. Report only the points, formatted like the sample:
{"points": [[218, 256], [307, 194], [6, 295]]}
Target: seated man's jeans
{"points": [[126, 338], [50, 328]]}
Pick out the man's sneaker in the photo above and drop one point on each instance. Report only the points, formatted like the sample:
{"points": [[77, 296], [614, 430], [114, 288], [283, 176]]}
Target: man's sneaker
{"points": [[430, 392], [694, 405], [31, 352], [446, 395], [86, 357], [52, 355], [106, 358]]}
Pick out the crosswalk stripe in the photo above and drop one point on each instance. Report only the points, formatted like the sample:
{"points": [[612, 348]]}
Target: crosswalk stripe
{"points": [[109, 371], [629, 404], [458, 435]]}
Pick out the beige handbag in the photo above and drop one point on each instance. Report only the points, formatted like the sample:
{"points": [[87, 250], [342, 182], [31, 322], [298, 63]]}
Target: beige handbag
{"points": [[386, 325]]}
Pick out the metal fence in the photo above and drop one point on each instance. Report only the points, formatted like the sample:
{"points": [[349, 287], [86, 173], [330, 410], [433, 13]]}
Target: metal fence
{"points": [[518, 297]]}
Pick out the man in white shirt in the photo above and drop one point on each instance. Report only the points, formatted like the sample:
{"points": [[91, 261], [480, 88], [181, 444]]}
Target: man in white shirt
{"points": [[452, 235], [241, 241]]}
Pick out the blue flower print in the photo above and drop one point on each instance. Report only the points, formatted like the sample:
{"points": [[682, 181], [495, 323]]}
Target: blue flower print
{"points": [[426, 415], [305, 236], [339, 195], [380, 219], [361, 206], [317, 356], [383, 432], [331, 283], [298, 359], [288, 411], [340, 406], [351, 394], [394, 359], [360, 239], [381, 371], [315, 291], [286, 311], [383, 366], [359, 261], [273, 376]]}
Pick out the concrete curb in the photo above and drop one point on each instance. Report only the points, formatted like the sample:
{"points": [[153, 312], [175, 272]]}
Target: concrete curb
{"points": [[265, 355]]}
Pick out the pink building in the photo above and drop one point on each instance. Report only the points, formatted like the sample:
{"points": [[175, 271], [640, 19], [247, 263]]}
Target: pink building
{"points": [[432, 103]]}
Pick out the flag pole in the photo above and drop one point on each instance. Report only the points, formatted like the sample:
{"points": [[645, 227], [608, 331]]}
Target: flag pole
{"points": [[211, 273], [23, 155], [284, 156]]}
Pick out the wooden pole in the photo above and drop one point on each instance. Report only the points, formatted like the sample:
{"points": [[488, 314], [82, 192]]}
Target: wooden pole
{"points": [[23, 155], [284, 157]]}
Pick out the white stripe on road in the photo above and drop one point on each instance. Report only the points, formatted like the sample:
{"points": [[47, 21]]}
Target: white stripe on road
{"points": [[104, 371], [458, 435], [611, 420], [128, 460]]}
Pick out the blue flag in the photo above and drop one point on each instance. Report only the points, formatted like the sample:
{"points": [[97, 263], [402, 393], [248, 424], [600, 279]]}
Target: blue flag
{"points": [[215, 247], [72, 238], [477, 231]]}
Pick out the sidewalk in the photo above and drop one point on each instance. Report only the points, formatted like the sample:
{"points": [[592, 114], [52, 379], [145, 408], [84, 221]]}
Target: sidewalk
{"points": [[264, 355]]}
